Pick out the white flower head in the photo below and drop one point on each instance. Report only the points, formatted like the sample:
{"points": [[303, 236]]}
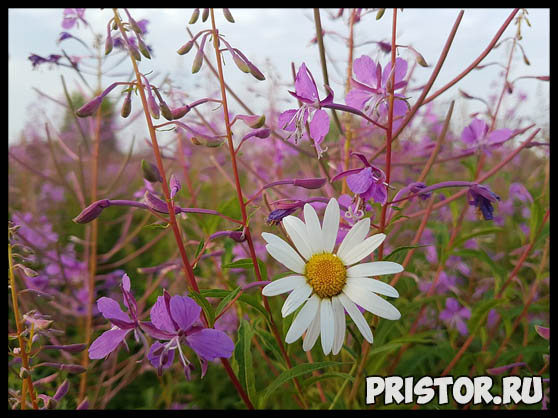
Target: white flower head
{"points": [[328, 283]]}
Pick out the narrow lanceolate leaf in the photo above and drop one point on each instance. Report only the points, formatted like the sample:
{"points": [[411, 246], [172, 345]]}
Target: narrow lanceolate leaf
{"points": [[244, 263], [398, 254], [226, 300], [243, 357], [296, 371], [205, 305], [478, 233]]}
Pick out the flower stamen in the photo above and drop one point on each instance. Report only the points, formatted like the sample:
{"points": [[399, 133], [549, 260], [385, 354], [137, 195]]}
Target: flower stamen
{"points": [[326, 273]]}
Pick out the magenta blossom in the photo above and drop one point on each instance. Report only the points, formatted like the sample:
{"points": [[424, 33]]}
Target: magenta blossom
{"points": [[293, 120], [123, 323], [369, 91], [476, 136], [72, 17], [455, 316], [176, 320], [367, 182]]}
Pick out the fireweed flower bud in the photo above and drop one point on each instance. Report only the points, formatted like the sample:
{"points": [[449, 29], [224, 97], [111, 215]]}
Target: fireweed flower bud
{"points": [[206, 141], [166, 111], [198, 59], [180, 111], [253, 121], [143, 48], [157, 204], [228, 15], [315, 183], [184, 49], [134, 51], [126, 106], [108, 42], [70, 348], [62, 390], [90, 108], [92, 211], [174, 186], [150, 172], [195, 15], [205, 14]]}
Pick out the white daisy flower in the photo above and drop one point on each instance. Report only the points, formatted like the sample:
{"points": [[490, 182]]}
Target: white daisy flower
{"points": [[328, 283]]}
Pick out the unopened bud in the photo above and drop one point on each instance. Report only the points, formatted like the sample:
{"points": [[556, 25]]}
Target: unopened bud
{"points": [[255, 72], [242, 66], [126, 106], [238, 236], [150, 172], [180, 111], [90, 108], [228, 15], [153, 107], [206, 142], [134, 51], [135, 26], [165, 111], [175, 186], [108, 44], [184, 49], [194, 18], [198, 61], [380, 14], [70, 348], [143, 48], [24, 373], [205, 14], [62, 390], [92, 211], [315, 183], [157, 204]]}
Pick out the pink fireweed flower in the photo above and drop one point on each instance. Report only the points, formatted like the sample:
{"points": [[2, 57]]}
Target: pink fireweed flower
{"points": [[477, 137], [72, 18], [455, 316], [367, 182], [174, 320], [369, 91], [293, 120], [123, 323]]}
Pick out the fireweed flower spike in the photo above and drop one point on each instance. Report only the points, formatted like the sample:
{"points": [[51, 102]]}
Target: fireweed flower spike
{"points": [[328, 283], [293, 120], [174, 319]]}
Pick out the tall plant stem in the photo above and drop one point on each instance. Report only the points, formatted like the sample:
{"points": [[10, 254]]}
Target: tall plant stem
{"points": [[187, 267], [389, 131], [27, 383], [240, 196]]}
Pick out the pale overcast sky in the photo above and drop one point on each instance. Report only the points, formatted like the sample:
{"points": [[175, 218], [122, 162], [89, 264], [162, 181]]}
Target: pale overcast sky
{"points": [[282, 36]]}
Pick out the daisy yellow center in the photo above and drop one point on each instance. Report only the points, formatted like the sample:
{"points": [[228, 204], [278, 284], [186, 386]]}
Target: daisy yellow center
{"points": [[327, 274]]}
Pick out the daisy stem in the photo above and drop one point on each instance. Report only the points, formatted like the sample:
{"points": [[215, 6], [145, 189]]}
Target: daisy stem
{"points": [[240, 196]]}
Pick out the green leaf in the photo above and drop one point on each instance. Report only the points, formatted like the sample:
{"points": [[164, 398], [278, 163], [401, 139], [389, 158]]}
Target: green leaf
{"points": [[156, 226], [329, 375], [221, 293], [399, 253], [205, 305], [296, 371], [243, 357], [484, 231], [226, 300], [244, 263]]}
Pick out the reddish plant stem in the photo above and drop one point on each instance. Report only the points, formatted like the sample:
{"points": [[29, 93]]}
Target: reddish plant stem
{"points": [[240, 196], [189, 272]]}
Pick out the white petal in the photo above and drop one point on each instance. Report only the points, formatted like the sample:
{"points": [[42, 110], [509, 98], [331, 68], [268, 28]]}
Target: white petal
{"points": [[313, 229], [357, 317], [371, 302], [367, 284], [296, 298], [365, 248], [297, 231], [312, 334], [273, 239], [374, 268], [339, 321], [326, 325], [303, 319], [283, 285], [330, 225], [287, 256], [354, 237]]}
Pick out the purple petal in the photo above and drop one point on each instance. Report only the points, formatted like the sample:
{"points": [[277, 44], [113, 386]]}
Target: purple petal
{"points": [[498, 136], [286, 120], [400, 71], [155, 353], [107, 343], [319, 126], [543, 331], [304, 85], [462, 327], [160, 316], [211, 344], [184, 311], [155, 332], [357, 98], [111, 310], [452, 304], [365, 70], [378, 192], [474, 131], [359, 183]]}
